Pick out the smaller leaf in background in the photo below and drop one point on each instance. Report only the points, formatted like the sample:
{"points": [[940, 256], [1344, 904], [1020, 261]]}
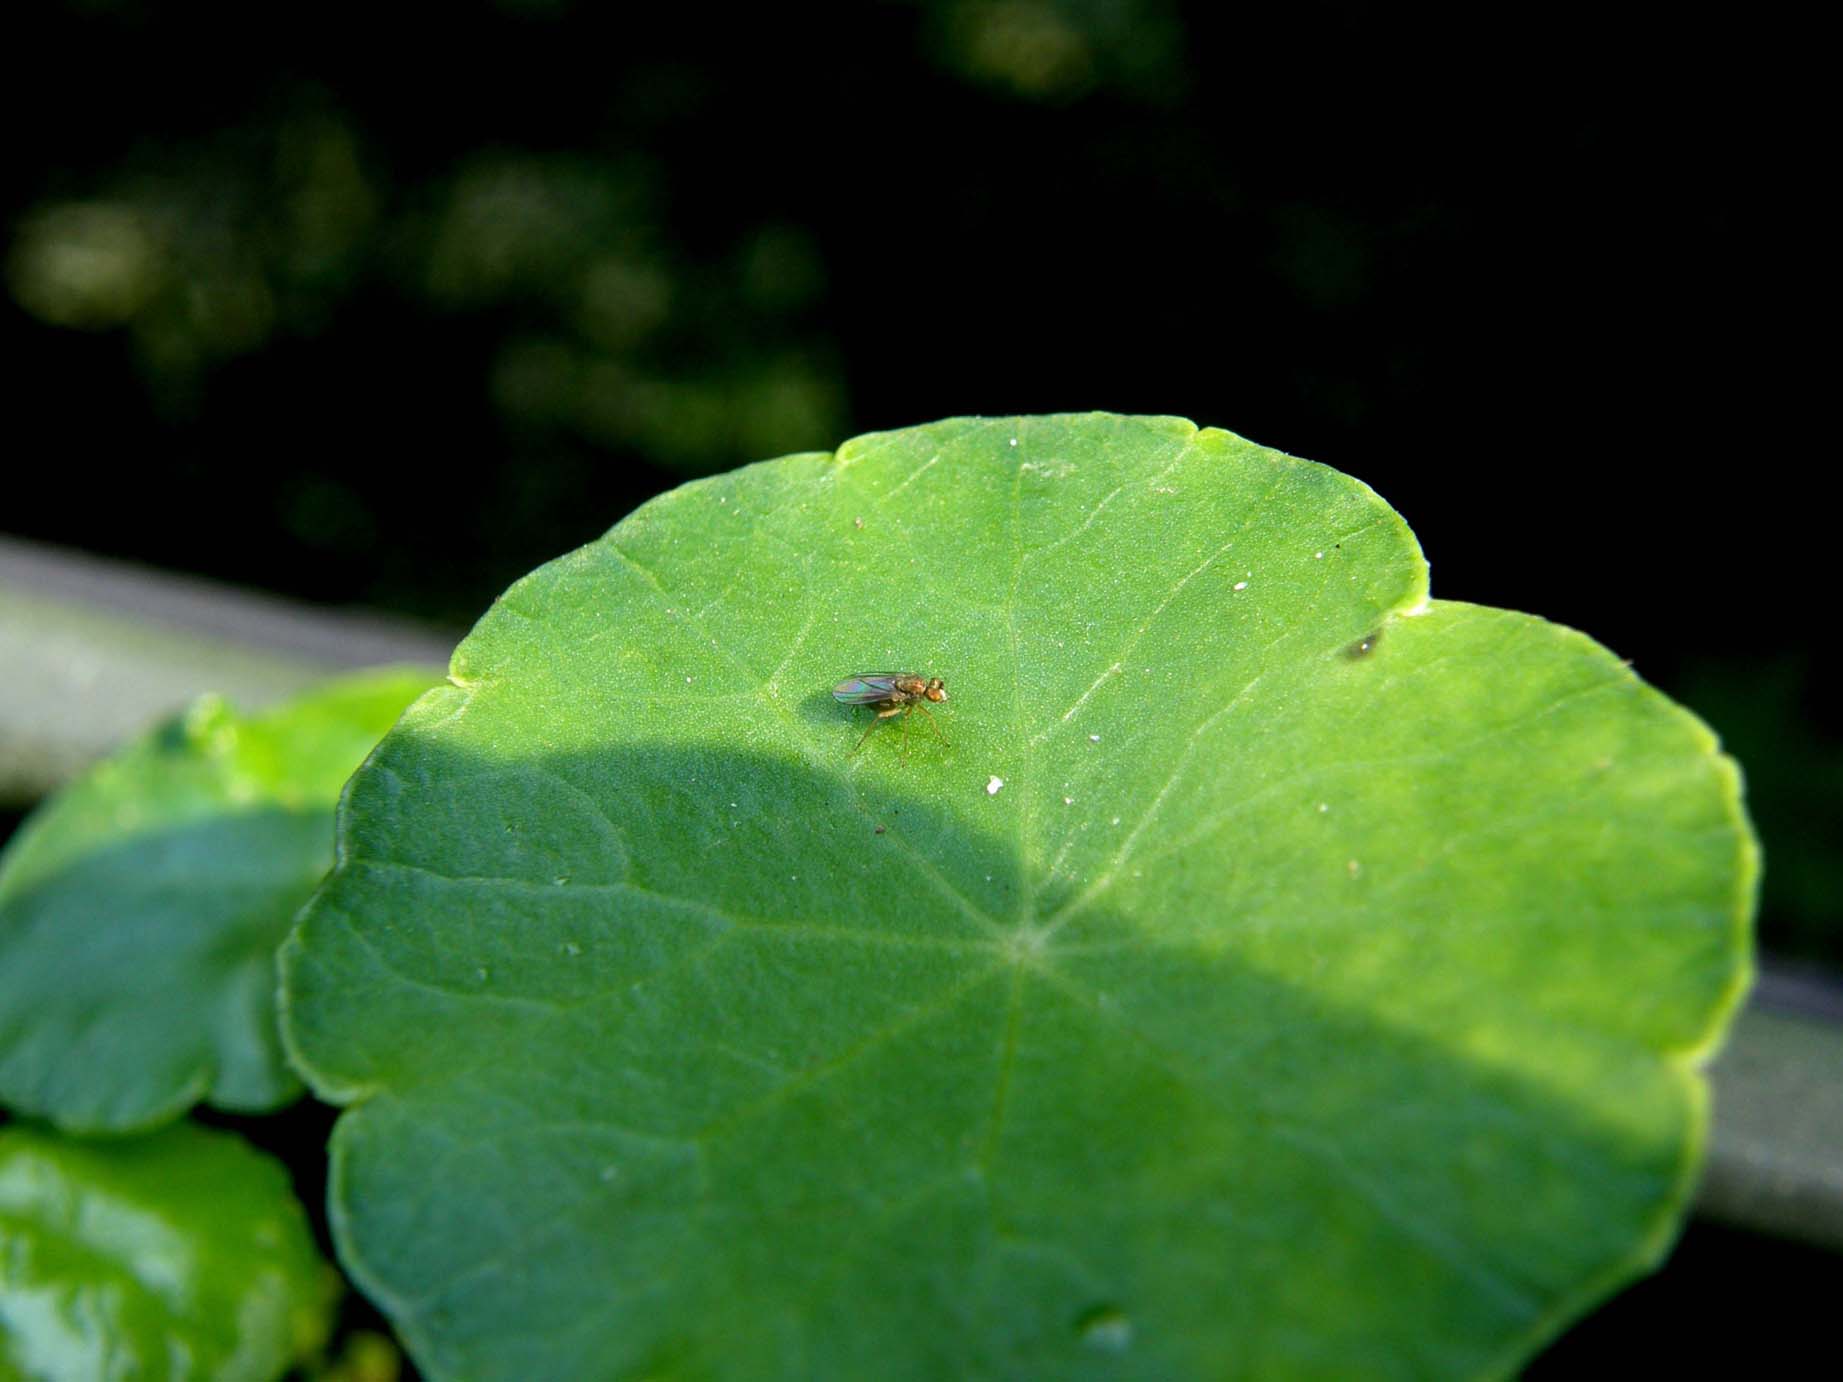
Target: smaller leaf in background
{"points": [[141, 907], [181, 1254]]}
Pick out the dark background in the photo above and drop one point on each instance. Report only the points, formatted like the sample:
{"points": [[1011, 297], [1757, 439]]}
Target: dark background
{"points": [[386, 305]]}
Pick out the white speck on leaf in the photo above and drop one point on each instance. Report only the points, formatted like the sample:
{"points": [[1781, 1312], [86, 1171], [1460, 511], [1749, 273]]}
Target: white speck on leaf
{"points": [[1068, 801], [1107, 1331], [1094, 738], [1353, 868], [992, 785], [1241, 585]]}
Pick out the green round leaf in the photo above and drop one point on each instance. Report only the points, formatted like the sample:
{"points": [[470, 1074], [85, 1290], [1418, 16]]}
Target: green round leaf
{"points": [[179, 1255], [140, 908], [1271, 974]]}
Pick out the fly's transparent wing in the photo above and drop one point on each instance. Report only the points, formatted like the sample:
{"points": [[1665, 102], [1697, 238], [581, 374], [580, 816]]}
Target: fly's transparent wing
{"points": [[868, 688]]}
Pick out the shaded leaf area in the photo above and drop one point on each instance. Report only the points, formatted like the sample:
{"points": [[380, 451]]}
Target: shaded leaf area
{"points": [[180, 1254], [1275, 973], [141, 907]]}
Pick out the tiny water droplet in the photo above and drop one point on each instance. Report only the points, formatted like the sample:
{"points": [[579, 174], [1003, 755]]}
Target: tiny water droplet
{"points": [[1240, 585], [1318, 556], [1094, 738], [1106, 1329], [992, 785]]}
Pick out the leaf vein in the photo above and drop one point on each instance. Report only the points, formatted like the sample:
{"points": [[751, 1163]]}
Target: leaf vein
{"points": [[814, 1074]]}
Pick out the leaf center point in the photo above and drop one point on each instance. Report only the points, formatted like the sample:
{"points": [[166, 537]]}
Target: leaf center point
{"points": [[1026, 945]]}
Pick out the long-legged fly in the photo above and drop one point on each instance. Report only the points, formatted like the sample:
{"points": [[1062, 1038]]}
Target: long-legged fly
{"points": [[892, 693]]}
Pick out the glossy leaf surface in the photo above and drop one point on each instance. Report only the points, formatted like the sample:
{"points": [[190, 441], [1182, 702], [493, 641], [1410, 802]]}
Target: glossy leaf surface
{"points": [[1276, 974], [183, 1254]]}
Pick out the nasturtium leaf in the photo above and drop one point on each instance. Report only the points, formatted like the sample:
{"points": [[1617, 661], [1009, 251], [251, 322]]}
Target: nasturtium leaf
{"points": [[1274, 973], [181, 1254], [141, 907]]}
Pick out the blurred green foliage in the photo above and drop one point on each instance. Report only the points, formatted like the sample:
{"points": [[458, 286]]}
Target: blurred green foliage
{"points": [[205, 252], [611, 329]]}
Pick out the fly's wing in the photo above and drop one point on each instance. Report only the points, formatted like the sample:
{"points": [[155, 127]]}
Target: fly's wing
{"points": [[869, 688]]}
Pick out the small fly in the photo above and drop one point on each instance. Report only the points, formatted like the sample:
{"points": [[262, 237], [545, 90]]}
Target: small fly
{"points": [[892, 693]]}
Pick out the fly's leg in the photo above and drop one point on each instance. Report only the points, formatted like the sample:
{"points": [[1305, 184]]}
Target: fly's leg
{"points": [[881, 716], [931, 720]]}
